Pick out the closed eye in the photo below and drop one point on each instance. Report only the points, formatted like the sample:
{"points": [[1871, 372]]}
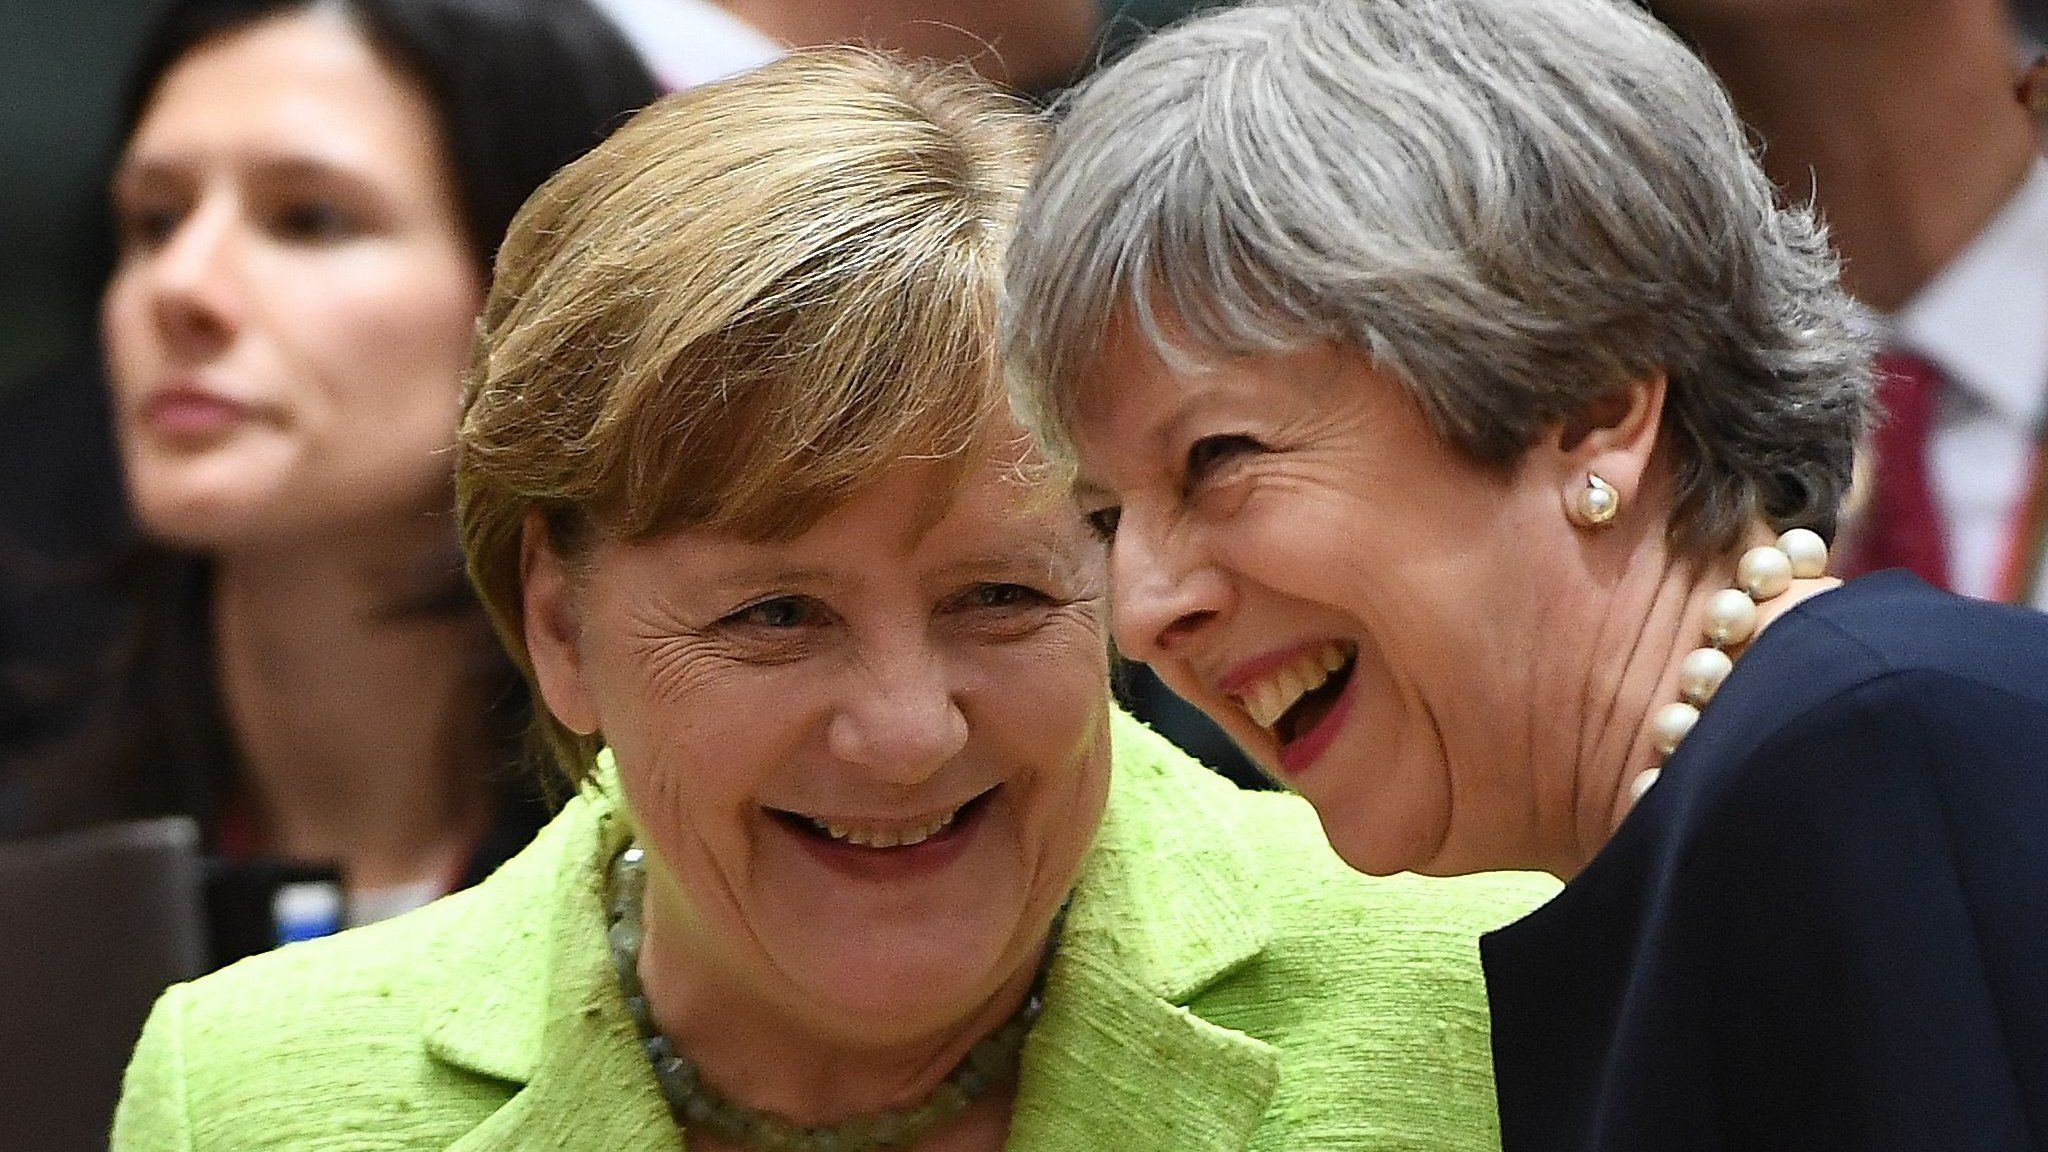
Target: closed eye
{"points": [[1208, 453], [1103, 522], [1002, 595]]}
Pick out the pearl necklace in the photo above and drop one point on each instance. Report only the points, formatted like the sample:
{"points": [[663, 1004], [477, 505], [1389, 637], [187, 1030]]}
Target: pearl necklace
{"points": [[992, 1060], [1763, 574]]}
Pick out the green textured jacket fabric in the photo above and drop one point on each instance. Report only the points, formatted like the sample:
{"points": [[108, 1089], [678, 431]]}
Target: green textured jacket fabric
{"points": [[1224, 983]]}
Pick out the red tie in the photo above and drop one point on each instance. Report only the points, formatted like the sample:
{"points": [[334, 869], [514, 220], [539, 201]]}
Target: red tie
{"points": [[1901, 528]]}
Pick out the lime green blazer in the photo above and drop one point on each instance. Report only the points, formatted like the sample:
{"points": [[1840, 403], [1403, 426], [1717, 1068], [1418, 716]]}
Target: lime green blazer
{"points": [[1224, 983]]}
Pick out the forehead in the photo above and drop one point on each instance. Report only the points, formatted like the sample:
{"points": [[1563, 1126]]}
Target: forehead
{"points": [[1135, 404], [303, 84], [1127, 396], [1005, 510]]}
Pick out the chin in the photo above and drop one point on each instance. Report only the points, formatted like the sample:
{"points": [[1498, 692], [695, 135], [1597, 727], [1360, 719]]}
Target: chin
{"points": [[199, 522], [1377, 847], [206, 504], [901, 988], [1362, 853]]}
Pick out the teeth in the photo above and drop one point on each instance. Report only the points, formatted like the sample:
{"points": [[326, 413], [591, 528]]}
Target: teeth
{"points": [[1268, 700], [885, 836]]}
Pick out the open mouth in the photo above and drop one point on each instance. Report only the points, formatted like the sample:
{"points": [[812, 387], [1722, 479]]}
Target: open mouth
{"points": [[1294, 700], [884, 836]]}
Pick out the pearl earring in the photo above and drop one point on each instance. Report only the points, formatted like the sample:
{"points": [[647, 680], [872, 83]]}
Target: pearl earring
{"points": [[1594, 505]]}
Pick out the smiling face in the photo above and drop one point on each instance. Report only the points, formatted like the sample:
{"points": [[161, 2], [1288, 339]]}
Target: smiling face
{"points": [[867, 761], [1356, 602], [292, 311]]}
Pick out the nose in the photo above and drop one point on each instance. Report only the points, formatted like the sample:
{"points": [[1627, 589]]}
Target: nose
{"points": [[1164, 591], [193, 280], [900, 718]]}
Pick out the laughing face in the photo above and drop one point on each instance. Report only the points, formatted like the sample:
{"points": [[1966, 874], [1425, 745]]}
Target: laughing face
{"points": [[1355, 601], [867, 761]]}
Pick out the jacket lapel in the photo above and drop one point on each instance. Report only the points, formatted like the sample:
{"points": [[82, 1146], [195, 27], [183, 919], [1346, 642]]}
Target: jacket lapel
{"points": [[1118, 1061], [530, 1000]]}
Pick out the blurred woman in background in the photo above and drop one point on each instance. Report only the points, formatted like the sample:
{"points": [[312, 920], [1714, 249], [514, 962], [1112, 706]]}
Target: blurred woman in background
{"points": [[308, 202]]}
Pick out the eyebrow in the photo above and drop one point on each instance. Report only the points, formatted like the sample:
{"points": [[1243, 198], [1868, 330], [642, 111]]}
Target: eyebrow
{"points": [[142, 170], [1025, 549], [768, 575], [1086, 491]]}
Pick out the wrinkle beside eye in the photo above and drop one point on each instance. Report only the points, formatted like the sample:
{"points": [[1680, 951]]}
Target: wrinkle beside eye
{"points": [[672, 664]]}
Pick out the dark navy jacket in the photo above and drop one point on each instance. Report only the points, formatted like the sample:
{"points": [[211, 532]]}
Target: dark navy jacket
{"points": [[1826, 926]]}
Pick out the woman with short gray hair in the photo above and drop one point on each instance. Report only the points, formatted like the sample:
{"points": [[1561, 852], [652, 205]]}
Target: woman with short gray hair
{"points": [[1460, 409]]}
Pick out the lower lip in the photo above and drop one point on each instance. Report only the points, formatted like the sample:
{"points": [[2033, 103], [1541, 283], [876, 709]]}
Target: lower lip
{"points": [[903, 862], [1301, 753], [192, 417]]}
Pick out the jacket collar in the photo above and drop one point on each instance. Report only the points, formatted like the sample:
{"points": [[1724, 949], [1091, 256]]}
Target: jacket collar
{"points": [[1116, 1060], [531, 1000]]}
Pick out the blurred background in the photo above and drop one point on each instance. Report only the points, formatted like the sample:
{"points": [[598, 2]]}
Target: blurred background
{"points": [[62, 64], [61, 67]]}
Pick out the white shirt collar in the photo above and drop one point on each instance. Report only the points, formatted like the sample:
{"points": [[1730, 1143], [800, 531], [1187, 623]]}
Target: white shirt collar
{"points": [[690, 42], [1984, 318]]}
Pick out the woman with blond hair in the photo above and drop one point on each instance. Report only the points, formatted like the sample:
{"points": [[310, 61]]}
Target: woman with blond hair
{"points": [[861, 854]]}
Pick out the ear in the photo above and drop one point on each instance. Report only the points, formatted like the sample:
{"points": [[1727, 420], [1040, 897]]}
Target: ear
{"points": [[1613, 438], [553, 632]]}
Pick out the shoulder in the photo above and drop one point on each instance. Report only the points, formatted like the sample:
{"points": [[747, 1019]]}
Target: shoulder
{"points": [[1883, 766], [1892, 624], [1881, 677], [235, 1057]]}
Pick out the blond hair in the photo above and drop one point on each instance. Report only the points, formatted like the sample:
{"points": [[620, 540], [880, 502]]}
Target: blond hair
{"points": [[737, 313]]}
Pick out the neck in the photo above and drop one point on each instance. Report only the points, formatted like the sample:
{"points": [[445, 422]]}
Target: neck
{"points": [[1653, 615], [359, 723], [1903, 126], [760, 1056]]}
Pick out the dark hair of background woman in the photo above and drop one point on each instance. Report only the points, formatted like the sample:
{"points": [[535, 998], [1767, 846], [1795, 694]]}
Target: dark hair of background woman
{"points": [[518, 88]]}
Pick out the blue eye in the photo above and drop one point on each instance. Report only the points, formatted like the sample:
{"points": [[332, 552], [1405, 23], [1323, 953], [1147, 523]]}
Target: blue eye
{"points": [[779, 612]]}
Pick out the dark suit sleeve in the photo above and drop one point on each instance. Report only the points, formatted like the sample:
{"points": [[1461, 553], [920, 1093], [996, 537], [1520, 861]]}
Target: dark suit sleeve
{"points": [[1875, 887]]}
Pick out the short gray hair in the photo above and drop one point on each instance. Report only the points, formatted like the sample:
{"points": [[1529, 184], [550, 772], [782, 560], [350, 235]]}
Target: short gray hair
{"points": [[1516, 206]]}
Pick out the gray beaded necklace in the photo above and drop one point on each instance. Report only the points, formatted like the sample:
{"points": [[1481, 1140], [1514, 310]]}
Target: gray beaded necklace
{"points": [[991, 1061]]}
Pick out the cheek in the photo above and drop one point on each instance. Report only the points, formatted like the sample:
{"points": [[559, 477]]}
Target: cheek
{"points": [[1047, 716], [656, 732], [125, 333], [385, 340], [697, 740], [1325, 548]]}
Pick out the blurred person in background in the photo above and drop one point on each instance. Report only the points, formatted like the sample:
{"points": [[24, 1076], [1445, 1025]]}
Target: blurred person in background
{"points": [[308, 200], [1029, 48], [1465, 417], [1898, 119], [862, 854]]}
